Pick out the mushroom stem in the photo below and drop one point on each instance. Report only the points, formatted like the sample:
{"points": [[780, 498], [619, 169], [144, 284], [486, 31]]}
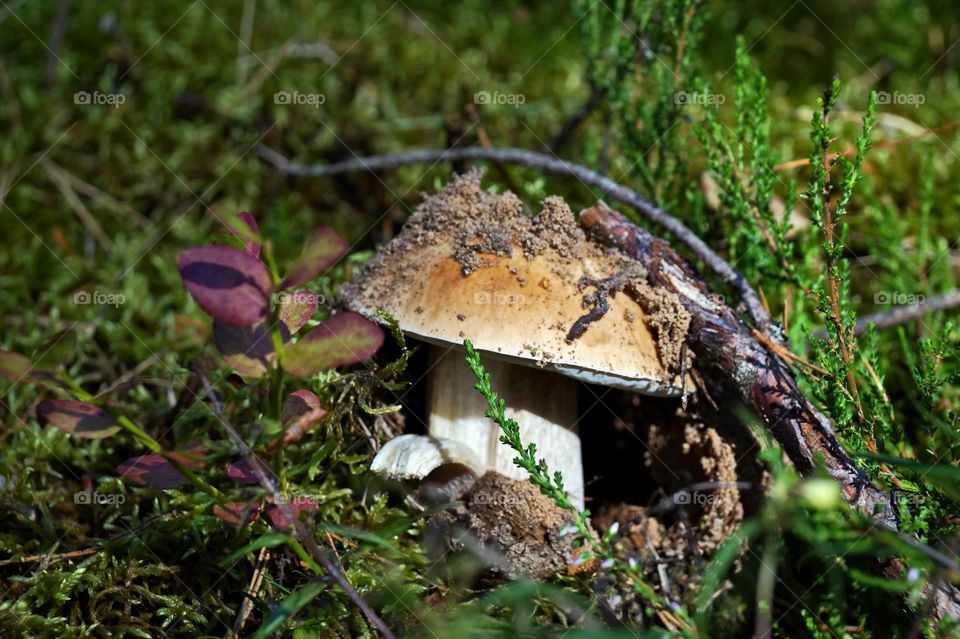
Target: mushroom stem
{"points": [[544, 404]]}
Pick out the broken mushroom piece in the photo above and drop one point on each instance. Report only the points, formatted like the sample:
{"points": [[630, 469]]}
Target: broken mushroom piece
{"points": [[543, 304], [438, 470]]}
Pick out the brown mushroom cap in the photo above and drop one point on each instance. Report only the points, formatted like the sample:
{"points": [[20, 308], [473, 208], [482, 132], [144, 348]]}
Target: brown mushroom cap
{"points": [[470, 265]]}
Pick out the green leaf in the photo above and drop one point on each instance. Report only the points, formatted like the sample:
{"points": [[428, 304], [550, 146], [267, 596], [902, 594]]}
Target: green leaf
{"points": [[266, 541], [289, 607]]}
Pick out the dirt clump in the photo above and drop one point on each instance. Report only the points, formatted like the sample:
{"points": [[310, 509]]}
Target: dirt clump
{"points": [[509, 525], [669, 321], [707, 485]]}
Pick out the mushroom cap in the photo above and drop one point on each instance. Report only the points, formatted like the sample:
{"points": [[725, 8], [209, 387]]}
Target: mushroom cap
{"points": [[414, 457], [470, 265]]}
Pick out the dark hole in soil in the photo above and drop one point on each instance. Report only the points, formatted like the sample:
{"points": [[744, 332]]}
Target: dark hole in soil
{"points": [[613, 445]]}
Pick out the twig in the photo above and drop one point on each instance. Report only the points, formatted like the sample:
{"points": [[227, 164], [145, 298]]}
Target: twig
{"points": [[265, 477], [597, 96], [904, 314], [256, 582], [133, 373], [845, 341], [73, 554], [86, 552], [81, 186], [86, 217], [56, 43], [544, 162]]}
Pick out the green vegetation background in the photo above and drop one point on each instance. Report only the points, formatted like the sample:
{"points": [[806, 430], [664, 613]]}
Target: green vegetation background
{"points": [[199, 95]]}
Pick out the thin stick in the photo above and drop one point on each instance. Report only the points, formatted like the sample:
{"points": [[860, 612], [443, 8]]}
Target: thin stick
{"points": [[86, 552], [73, 554], [56, 43], [597, 96], [93, 192], [904, 314], [300, 531], [256, 582], [86, 217], [611, 190], [845, 342]]}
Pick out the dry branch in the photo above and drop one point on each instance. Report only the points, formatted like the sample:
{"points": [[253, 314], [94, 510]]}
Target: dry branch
{"points": [[760, 378]]}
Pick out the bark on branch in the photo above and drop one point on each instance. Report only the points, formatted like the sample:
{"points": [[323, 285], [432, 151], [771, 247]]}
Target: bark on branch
{"points": [[760, 378]]}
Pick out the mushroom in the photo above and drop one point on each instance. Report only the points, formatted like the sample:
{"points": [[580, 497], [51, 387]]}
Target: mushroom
{"points": [[469, 264], [438, 469]]}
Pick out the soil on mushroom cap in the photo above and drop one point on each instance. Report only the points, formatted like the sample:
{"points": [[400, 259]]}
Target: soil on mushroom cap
{"points": [[478, 225]]}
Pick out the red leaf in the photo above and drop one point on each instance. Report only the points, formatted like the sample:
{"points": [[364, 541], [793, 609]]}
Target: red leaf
{"points": [[301, 412], [227, 283], [155, 471], [247, 349], [297, 404], [297, 308], [79, 419], [237, 513], [345, 338], [16, 368], [322, 251], [298, 505], [243, 473]]}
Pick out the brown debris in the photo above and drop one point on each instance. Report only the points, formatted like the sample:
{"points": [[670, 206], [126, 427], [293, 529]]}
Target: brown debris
{"points": [[510, 525]]}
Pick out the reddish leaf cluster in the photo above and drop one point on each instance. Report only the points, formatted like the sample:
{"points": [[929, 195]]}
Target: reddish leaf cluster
{"points": [[237, 290]]}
